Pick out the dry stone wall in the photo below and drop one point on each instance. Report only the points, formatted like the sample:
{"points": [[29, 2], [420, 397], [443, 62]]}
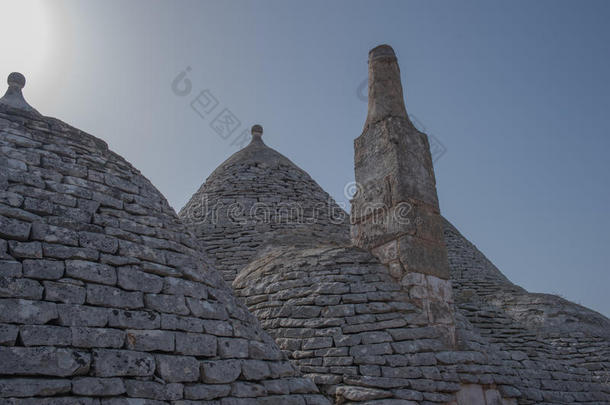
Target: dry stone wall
{"points": [[346, 323], [255, 196], [551, 330], [105, 299]]}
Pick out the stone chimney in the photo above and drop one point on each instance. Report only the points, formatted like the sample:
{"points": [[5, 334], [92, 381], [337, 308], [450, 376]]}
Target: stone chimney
{"points": [[395, 212]]}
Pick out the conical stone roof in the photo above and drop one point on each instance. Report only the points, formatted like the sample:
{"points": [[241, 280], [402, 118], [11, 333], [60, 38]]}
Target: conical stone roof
{"points": [[104, 296], [342, 318], [254, 196]]}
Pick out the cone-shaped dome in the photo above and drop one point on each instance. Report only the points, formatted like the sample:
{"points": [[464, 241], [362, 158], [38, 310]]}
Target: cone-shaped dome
{"points": [[361, 336], [254, 196], [103, 293]]}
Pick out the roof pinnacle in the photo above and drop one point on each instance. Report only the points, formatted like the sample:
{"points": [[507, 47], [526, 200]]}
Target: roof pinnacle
{"points": [[385, 90], [257, 134], [13, 96], [257, 131], [16, 79]]}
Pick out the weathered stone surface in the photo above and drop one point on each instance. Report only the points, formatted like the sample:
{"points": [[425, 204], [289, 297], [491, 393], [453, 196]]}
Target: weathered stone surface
{"points": [[232, 348], [360, 393], [255, 370], [183, 323], [14, 229], [177, 368], [43, 269], [220, 372], [196, 344], [45, 335], [206, 309], [20, 288], [81, 315], [105, 296], [8, 334], [97, 337], [173, 304], [150, 340], [64, 292], [120, 363], [247, 390], [30, 387], [99, 387], [10, 268], [49, 361], [98, 241], [26, 311], [135, 280], [154, 390], [25, 250], [134, 319], [178, 286], [91, 271], [206, 392]]}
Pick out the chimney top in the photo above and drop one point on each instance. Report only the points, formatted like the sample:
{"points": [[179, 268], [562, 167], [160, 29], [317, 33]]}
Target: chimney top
{"points": [[385, 90], [382, 51]]}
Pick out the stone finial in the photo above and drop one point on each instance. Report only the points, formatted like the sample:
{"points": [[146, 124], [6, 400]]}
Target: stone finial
{"points": [[16, 79], [13, 96], [257, 133], [257, 130], [385, 89]]}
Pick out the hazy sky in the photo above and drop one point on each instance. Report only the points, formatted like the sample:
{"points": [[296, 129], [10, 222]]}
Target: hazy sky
{"points": [[517, 93]]}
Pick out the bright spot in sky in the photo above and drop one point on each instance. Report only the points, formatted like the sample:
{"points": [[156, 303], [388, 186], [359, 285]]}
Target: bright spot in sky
{"points": [[26, 37]]}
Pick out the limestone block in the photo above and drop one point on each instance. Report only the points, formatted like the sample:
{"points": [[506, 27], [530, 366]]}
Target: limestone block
{"points": [[183, 323], [255, 370], [105, 296], [98, 241], [120, 363], [221, 371], [177, 368], [43, 269], [30, 387], [64, 292], [97, 337], [50, 361], [27, 312], [174, 304], [45, 335], [20, 288], [25, 250], [90, 271], [471, 395], [206, 392], [196, 344], [98, 386], [80, 315], [127, 319], [14, 229], [232, 348], [130, 278], [154, 390], [8, 334]]}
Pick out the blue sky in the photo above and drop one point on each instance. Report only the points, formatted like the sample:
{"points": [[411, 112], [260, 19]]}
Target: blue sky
{"points": [[517, 92]]}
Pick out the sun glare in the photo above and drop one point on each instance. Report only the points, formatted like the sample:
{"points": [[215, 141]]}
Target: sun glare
{"points": [[26, 36]]}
